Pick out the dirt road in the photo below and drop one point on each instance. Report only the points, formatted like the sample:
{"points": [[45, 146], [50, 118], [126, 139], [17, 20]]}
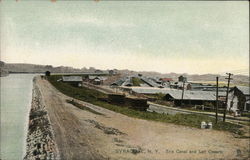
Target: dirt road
{"points": [[81, 134]]}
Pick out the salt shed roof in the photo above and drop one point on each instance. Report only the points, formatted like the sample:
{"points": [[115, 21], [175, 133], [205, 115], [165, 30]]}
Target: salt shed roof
{"points": [[244, 89], [92, 77], [149, 90], [72, 78], [119, 82], [102, 78], [193, 95], [150, 82], [127, 82], [176, 94]]}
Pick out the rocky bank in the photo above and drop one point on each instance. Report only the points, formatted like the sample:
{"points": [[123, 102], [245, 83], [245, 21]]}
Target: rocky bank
{"points": [[40, 137]]}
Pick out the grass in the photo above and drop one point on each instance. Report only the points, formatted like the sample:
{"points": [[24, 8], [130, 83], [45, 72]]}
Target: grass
{"points": [[94, 97]]}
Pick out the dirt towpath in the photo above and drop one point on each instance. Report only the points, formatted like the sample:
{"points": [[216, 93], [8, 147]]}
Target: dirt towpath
{"points": [[80, 134]]}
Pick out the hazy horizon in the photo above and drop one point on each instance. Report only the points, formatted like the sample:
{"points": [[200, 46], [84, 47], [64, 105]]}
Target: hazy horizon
{"points": [[164, 36], [221, 74]]}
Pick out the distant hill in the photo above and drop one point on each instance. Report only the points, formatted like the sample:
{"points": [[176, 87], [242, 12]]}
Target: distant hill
{"points": [[6, 68], [34, 68]]}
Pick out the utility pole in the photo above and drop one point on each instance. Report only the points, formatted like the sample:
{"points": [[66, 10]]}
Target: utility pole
{"points": [[217, 85], [228, 82], [182, 92]]}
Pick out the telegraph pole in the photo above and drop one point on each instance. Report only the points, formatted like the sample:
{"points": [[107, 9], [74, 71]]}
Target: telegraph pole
{"points": [[217, 85], [228, 82], [182, 92]]}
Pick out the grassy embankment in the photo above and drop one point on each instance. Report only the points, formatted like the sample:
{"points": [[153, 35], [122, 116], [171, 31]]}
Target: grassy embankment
{"points": [[93, 97]]}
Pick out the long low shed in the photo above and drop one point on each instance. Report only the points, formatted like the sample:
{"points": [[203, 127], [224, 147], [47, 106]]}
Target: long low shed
{"points": [[189, 97]]}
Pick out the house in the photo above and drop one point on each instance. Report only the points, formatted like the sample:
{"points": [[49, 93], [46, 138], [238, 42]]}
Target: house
{"points": [[239, 99], [73, 80]]}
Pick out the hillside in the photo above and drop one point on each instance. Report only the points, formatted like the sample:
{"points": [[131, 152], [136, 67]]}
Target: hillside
{"points": [[34, 68]]}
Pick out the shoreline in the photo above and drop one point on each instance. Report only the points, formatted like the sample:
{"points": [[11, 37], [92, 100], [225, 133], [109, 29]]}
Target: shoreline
{"points": [[26, 127], [40, 139]]}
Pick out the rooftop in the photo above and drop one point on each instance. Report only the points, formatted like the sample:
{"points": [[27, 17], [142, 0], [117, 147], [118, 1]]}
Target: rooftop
{"points": [[244, 89], [72, 78]]}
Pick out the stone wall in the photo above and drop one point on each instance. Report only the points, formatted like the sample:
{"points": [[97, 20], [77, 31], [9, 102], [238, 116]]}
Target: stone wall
{"points": [[40, 137]]}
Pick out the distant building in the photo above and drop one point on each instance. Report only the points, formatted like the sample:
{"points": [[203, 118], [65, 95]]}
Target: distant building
{"points": [[182, 79], [97, 80], [98, 71], [179, 85], [166, 79], [73, 80], [125, 81], [128, 82], [191, 97], [239, 99], [118, 83], [47, 73], [112, 72], [150, 82]]}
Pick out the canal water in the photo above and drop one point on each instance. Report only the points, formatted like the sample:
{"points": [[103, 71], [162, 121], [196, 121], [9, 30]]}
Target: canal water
{"points": [[16, 95]]}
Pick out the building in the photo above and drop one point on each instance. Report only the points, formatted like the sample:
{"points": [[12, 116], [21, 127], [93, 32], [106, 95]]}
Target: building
{"points": [[191, 97], [166, 79], [175, 96], [97, 80], [73, 80], [150, 82], [239, 99], [98, 71], [112, 72], [127, 82], [179, 85], [47, 73], [205, 87], [119, 82]]}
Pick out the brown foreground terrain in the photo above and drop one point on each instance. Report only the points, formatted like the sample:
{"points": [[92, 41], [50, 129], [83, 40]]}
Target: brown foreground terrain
{"points": [[80, 134]]}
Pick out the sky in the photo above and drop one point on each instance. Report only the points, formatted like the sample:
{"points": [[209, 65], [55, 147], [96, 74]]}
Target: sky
{"points": [[164, 36]]}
